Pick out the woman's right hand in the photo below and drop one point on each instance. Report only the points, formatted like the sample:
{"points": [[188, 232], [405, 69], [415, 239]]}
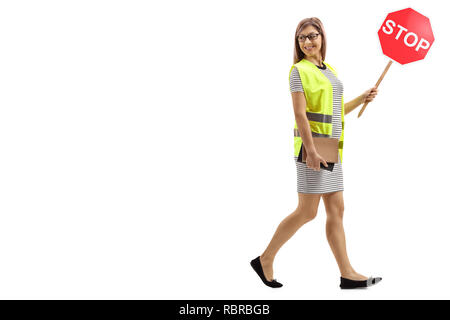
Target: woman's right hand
{"points": [[313, 161]]}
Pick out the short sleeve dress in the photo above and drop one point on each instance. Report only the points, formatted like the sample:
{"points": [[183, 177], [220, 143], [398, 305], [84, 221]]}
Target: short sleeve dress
{"points": [[322, 181]]}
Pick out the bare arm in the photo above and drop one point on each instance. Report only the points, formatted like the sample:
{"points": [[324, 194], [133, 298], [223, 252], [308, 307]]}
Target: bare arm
{"points": [[313, 159], [353, 104], [299, 102]]}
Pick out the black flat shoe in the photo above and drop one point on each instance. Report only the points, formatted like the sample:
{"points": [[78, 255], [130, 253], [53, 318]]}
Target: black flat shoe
{"points": [[256, 265], [352, 284]]}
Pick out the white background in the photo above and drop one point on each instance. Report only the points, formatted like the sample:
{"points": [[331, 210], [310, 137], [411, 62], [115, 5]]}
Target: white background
{"points": [[146, 152]]}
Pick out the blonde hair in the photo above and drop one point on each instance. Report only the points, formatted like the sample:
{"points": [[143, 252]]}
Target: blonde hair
{"points": [[316, 23]]}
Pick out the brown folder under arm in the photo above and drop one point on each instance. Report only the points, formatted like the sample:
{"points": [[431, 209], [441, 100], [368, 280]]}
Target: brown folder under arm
{"points": [[327, 148]]}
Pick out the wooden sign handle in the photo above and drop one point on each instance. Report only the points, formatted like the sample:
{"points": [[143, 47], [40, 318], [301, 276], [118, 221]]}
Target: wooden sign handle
{"points": [[376, 86]]}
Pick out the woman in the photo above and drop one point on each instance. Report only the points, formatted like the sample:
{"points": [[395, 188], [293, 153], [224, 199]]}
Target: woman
{"points": [[307, 82]]}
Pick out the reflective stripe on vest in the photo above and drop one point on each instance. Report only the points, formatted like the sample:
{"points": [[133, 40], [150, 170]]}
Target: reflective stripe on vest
{"points": [[318, 117], [318, 93], [314, 134]]}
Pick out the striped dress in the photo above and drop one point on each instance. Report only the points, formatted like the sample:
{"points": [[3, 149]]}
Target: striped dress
{"points": [[322, 181]]}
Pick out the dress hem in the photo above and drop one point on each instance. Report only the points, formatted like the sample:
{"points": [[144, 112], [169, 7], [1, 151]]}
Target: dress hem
{"points": [[320, 192]]}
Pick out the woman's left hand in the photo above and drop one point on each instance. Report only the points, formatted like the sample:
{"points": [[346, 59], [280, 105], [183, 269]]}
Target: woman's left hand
{"points": [[369, 95]]}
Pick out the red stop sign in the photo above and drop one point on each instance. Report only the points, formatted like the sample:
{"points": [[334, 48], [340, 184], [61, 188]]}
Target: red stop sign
{"points": [[406, 36]]}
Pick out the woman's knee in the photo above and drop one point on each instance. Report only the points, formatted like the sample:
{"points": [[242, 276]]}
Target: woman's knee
{"points": [[336, 212], [308, 205], [334, 205], [306, 213]]}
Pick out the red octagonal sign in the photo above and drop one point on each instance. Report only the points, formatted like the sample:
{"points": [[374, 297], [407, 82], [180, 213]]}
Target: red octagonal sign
{"points": [[406, 36]]}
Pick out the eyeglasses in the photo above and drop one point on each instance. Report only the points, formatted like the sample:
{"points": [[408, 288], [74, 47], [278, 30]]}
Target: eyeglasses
{"points": [[311, 36]]}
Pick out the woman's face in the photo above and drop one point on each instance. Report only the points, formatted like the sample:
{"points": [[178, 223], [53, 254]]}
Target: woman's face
{"points": [[310, 47]]}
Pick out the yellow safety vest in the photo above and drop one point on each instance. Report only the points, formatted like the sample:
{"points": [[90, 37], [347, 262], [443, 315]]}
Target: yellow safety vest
{"points": [[319, 103]]}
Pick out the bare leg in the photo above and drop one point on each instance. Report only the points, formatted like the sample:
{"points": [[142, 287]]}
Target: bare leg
{"points": [[306, 211], [334, 205]]}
